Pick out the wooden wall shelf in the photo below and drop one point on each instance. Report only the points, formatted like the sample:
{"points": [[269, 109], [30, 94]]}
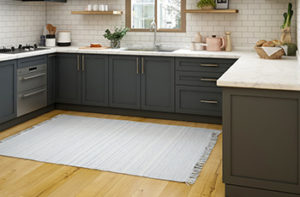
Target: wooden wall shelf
{"points": [[114, 12], [231, 11]]}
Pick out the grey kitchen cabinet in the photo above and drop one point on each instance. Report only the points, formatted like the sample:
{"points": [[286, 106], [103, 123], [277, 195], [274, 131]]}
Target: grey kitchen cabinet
{"points": [[124, 86], [205, 101], [157, 84], [51, 60], [8, 89], [142, 83], [68, 77], [261, 149], [82, 79], [196, 89], [94, 80]]}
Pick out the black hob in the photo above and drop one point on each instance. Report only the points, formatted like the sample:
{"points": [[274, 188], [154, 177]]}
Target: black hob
{"points": [[20, 49]]}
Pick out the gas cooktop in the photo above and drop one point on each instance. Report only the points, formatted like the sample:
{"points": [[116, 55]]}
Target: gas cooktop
{"points": [[20, 49]]}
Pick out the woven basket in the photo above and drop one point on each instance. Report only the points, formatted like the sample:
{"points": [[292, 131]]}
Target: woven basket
{"points": [[264, 55]]}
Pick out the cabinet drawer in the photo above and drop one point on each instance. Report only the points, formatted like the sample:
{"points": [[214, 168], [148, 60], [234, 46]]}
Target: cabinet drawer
{"points": [[204, 64], [32, 100], [32, 61], [207, 79], [202, 101]]}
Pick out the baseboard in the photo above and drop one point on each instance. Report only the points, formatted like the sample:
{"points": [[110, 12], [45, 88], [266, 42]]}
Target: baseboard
{"points": [[113, 111], [239, 191], [21, 119], [141, 113]]}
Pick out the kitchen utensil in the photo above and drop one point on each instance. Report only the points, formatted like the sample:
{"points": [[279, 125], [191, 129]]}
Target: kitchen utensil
{"points": [[215, 43], [64, 38], [51, 29]]}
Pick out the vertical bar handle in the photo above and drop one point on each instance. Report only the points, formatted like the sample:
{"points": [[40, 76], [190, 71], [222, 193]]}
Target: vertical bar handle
{"points": [[78, 63], [137, 65], [83, 63], [143, 67]]}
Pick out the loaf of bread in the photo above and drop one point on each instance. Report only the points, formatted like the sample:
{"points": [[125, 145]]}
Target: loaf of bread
{"points": [[260, 43], [269, 44], [277, 43]]}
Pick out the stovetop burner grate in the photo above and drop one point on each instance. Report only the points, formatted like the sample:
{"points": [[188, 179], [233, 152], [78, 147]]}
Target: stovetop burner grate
{"points": [[20, 49]]}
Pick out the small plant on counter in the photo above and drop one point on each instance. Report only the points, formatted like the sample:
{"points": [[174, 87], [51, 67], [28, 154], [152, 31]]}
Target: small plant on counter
{"points": [[286, 27], [116, 36], [206, 4]]}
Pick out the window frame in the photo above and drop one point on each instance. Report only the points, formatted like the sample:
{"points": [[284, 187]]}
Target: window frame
{"points": [[183, 19]]}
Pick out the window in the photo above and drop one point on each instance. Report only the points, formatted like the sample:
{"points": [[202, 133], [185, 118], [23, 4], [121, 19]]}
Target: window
{"points": [[168, 15]]}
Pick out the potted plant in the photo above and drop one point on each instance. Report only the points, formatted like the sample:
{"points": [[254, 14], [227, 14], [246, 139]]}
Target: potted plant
{"points": [[116, 36], [286, 27], [206, 4]]}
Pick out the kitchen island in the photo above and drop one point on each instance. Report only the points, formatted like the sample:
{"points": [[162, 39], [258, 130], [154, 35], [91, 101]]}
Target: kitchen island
{"points": [[261, 128]]}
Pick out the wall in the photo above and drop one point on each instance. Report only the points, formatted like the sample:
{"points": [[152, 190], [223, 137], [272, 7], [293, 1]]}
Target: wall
{"points": [[298, 23], [258, 19], [21, 22]]}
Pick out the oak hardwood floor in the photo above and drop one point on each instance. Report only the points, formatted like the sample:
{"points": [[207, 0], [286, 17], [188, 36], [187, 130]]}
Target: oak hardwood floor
{"points": [[19, 177]]}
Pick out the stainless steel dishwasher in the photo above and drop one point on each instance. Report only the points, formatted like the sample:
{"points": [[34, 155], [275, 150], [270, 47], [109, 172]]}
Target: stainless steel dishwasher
{"points": [[32, 88]]}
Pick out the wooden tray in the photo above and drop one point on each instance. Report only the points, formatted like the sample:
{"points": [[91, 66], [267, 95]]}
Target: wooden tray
{"points": [[98, 48]]}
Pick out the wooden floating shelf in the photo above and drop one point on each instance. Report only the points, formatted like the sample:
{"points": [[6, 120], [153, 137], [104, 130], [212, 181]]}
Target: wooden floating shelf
{"points": [[212, 11], [114, 12]]}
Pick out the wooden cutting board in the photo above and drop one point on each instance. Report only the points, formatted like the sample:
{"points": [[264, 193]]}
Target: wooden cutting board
{"points": [[98, 48]]}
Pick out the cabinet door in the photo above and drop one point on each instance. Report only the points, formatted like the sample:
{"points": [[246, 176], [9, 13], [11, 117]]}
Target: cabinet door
{"points": [[68, 77], [261, 134], [8, 91], [124, 83], [157, 83], [51, 79], [95, 80]]}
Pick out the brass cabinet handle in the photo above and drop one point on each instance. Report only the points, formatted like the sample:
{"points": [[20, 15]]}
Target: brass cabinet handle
{"points": [[52, 55], [137, 65], [83, 63], [143, 67], [208, 79], [78, 63], [209, 101], [209, 65]]}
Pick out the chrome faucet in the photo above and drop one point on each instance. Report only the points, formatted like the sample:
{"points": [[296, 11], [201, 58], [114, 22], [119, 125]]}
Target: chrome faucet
{"points": [[153, 28]]}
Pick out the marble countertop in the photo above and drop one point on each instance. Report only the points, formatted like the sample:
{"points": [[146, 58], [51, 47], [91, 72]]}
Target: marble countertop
{"points": [[248, 72]]}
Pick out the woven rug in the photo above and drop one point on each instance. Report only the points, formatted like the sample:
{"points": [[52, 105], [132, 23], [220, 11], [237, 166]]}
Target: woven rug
{"points": [[174, 153]]}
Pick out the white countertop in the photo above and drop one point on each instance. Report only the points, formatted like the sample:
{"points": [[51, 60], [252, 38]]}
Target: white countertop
{"points": [[248, 72]]}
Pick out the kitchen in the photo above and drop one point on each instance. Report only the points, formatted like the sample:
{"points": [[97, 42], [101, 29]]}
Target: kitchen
{"points": [[160, 82]]}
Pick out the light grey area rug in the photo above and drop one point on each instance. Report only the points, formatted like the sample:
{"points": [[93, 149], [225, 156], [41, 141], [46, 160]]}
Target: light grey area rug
{"points": [[174, 153]]}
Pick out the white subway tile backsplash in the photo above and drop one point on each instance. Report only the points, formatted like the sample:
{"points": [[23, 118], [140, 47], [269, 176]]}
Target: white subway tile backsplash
{"points": [[21, 22]]}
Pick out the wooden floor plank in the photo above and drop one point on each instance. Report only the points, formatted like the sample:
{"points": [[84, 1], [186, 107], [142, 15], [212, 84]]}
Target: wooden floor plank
{"points": [[19, 177]]}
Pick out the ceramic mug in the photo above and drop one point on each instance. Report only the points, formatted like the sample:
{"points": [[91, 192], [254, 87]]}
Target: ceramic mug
{"points": [[102, 7], [89, 7], [96, 7]]}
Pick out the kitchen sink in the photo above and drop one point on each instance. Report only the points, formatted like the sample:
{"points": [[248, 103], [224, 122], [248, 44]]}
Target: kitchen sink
{"points": [[150, 50]]}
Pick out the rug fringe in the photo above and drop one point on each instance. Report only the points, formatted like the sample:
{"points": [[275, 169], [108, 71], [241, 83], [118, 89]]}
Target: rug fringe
{"points": [[199, 165]]}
